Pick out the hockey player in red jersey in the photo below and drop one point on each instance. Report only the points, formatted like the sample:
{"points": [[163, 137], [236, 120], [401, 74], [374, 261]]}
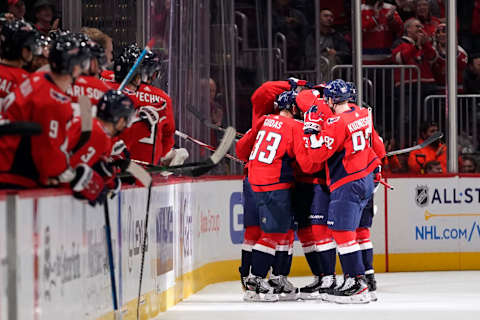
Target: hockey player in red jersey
{"points": [[278, 142], [114, 113], [42, 160], [17, 40], [150, 94], [350, 162], [89, 83], [143, 136], [310, 202]]}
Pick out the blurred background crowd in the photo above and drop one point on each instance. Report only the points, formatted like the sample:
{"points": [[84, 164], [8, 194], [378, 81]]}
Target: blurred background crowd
{"points": [[244, 43]]}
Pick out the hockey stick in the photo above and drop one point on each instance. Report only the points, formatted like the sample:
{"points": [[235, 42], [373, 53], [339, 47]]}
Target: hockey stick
{"points": [[434, 137], [137, 63], [195, 169], [209, 147], [85, 109], [21, 128], [207, 123], [108, 237]]}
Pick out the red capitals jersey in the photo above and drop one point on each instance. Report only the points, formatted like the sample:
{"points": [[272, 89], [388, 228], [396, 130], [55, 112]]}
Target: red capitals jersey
{"points": [[107, 76], [264, 97], [88, 86], [98, 146], [10, 78], [439, 68], [405, 51], [28, 161], [139, 137], [166, 125], [344, 145], [277, 143], [379, 33]]}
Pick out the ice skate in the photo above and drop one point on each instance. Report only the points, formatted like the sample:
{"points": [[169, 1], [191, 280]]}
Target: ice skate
{"points": [[353, 291], [285, 289], [327, 285], [258, 290], [311, 291], [372, 286], [243, 281]]}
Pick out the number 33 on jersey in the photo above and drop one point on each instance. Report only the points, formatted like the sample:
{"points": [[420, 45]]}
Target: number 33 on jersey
{"points": [[271, 148]]}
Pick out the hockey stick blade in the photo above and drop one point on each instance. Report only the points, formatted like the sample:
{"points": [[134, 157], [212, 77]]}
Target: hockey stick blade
{"points": [[224, 145], [21, 128], [434, 137], [139, 173]]}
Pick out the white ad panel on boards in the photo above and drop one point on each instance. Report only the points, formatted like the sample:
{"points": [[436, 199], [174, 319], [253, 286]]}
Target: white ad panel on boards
{"points": [[3, 259], [377, 232], [434, 215], [216, 233], [158, 274]]}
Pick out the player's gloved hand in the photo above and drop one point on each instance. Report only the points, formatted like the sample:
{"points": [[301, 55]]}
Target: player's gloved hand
{"points": [[149, 114], [175, 157], [120, 155], [88, 184], [295, 83], [107, 171], [312, 120]]}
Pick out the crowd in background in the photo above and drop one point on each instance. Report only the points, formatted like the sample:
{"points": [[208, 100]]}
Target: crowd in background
{"points": [[394, 32]]}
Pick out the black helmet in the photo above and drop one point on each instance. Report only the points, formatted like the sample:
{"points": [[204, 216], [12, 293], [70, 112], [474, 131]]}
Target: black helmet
{"points": [[113, 106], [150, 65], [41, 45], [67, 51], [125, 62], [98, 52], [14, 36]]}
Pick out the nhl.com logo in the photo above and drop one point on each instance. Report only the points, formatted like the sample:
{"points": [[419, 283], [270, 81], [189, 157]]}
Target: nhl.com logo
{"points": [[421, 196]]}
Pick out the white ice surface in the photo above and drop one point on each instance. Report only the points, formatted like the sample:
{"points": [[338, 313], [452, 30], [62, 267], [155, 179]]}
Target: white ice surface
{"points": [[453, 295]]}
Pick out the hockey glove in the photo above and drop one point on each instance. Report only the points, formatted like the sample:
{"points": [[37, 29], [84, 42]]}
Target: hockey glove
{"points": [[295, 83], [149, 114], [312, 120], [107, 171], [89, 185], [120, 155]]}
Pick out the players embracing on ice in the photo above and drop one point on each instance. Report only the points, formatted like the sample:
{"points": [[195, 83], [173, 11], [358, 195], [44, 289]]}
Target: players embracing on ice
{"points": [[343, 144]]}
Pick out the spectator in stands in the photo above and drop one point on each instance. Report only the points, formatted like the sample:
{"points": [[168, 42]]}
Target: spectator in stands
{"points": [[468, 12], [415, 48], [16, 8], [381, 25], [102, 39], [439, 66], [418, 159], [333, 45], [422, 13], [437, 8], [293, 25], [471, 77], [468, 165], [405, 9], [43, 13], [434, 167]]}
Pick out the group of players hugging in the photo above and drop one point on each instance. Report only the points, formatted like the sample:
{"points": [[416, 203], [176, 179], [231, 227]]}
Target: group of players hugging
{"points": [[316, 177], [136, 123]]}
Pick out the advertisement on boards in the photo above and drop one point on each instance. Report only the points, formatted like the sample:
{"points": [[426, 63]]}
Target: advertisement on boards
{"points": [[434, 215]]}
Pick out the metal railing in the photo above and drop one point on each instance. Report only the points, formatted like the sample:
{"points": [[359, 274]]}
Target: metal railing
{"points": [[394, 92], [468, 110]]}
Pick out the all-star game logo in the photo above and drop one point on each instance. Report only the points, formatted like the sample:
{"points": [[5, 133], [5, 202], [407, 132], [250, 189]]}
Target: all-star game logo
{"points": [[421, 196]]}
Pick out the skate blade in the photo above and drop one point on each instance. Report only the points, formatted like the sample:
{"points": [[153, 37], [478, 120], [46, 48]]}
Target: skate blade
{"points": [[373, 296], [362, 298], [311, 296], [250, 296], [288, 296]]}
